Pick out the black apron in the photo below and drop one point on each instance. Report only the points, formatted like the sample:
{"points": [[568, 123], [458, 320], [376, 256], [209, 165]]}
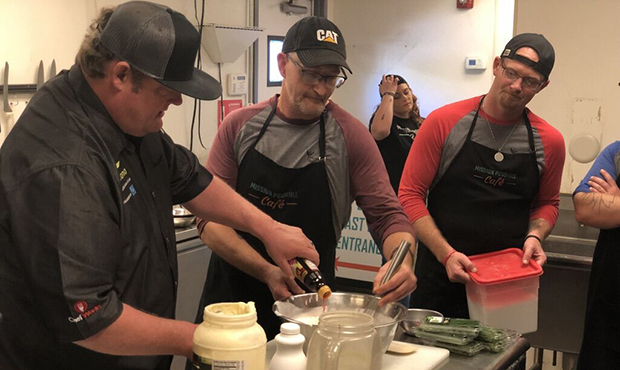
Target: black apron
{"points": [[479, 205], [294, 196], [601, 338]]}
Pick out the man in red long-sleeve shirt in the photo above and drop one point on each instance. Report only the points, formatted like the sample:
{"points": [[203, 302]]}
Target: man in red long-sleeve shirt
{"points": [[490, 171]]}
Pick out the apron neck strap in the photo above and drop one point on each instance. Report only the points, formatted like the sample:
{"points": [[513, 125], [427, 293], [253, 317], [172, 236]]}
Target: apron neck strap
{"points": [[273, 113], [530, 134]]}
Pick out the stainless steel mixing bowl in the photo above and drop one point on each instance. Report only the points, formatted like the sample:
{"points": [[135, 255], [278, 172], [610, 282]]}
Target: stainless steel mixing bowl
{"points": [[416, 316], [304, 309]]}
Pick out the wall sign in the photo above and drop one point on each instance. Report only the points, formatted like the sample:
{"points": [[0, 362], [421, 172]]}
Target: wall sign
{"points": [[229, 106], [357, 255]]}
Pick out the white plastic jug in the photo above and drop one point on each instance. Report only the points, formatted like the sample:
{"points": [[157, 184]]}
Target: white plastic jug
{"points": [[289, 352]]}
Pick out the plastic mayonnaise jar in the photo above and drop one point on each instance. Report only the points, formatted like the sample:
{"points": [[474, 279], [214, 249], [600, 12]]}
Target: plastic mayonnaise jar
{"points": [[230, 338]]}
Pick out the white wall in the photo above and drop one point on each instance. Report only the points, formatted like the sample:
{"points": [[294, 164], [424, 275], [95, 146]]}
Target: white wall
{"points": [[424, 41], [583, 95], [274, 23], [34, 30]]}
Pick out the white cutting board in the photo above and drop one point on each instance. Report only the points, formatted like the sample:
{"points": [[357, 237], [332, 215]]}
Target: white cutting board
{"points": [[425, 358]]}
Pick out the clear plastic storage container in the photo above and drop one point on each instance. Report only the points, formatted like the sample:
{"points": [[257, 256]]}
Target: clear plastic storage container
{"points": [[503, 292]]}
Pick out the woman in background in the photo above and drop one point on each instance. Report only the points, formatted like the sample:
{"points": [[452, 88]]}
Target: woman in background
{"points": [[394, 124]]}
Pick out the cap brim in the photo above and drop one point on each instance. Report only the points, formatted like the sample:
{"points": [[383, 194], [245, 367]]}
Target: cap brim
{"points": [[322, 57], [202, 86]]}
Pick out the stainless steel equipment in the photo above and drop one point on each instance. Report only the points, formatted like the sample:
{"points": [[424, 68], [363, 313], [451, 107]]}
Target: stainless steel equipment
{"points": [[415, 316], [182, 217]]}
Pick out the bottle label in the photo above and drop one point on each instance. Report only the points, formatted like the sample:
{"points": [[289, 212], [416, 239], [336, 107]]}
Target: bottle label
{"points": [[203, 363], [298, 270]]}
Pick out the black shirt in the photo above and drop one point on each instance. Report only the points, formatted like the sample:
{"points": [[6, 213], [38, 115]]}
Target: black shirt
{"points": [[85, 225], [395, 147]]}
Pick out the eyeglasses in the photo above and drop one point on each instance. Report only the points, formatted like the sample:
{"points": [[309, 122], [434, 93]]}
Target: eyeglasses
{"points": [[312, 78], [528, 82]]}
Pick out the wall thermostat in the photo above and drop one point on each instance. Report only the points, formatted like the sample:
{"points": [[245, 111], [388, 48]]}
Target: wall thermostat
{"points": [[475, 62], [237, 84]]}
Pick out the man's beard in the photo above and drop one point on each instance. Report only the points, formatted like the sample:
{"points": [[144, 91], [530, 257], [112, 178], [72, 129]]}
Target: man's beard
{"points": [[310, 108], [510, 102]]}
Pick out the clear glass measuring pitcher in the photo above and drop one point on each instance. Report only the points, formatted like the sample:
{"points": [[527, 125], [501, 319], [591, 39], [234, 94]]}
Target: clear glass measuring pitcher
{"points": [[345, 340]]}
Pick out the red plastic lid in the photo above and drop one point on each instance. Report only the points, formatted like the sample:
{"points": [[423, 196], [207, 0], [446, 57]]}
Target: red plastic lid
{"points": [[502, 266]]}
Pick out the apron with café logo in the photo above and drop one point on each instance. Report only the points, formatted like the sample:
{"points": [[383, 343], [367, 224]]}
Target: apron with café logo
{"points": [[294, 196], [480, 205]]}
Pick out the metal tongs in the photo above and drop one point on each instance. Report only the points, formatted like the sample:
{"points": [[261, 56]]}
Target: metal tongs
{"points": [[395, 262]]}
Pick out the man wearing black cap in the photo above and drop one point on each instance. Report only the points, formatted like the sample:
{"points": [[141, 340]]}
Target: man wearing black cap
{"points": [[303, 160], [489, 178], [88, 268]]}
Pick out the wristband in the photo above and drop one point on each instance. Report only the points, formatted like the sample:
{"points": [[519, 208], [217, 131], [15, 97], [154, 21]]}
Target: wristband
{"points": [[445, 260], [388, 93], [533, 236]]}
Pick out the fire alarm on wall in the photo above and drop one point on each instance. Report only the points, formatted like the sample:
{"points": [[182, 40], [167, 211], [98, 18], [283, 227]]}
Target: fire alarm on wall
{"points": [[465, 4]]}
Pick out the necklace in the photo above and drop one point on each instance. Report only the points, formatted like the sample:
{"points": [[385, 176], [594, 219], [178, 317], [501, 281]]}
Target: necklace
{"points": [[499, 156]]}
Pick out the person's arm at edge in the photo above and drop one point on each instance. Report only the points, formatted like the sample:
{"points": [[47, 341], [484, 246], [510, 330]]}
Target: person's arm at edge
{"points": [[137, 333], [600, 209], [597, 210]]}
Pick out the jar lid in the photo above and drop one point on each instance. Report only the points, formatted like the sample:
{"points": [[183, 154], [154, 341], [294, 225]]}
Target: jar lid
{"points": [[503, 266]]}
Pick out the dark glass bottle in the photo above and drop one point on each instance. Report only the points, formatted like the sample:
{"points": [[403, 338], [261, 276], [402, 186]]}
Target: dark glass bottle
{"points": [[309, 275]]}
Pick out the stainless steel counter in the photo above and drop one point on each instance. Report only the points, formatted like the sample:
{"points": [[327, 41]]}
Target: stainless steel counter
{"points": [[185, 234]]}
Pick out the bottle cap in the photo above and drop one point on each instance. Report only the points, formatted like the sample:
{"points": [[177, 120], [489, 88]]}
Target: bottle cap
{"points": [[324, 292], [289, 328]]}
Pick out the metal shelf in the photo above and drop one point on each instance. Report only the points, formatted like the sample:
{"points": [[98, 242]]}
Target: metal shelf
{"points": [[22, 88]]}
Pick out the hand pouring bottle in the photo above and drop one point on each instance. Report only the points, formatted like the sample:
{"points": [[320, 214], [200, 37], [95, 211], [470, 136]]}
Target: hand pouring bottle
{"points": [[230, 338], [309, 275], [289, 353]]}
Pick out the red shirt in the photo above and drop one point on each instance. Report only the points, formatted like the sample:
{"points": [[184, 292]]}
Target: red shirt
{"points": [[442, 136]]}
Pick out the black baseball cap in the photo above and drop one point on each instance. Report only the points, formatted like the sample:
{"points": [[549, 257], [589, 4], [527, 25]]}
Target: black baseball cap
{"points": [[317, 41], [538, 42], [162, 44]]}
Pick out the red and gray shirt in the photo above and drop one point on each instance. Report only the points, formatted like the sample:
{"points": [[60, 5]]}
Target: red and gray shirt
{"points": [[354, 166], [442, 136]]}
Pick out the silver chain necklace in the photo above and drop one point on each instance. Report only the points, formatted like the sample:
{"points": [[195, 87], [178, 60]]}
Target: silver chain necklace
{"points": [[499, 156]]}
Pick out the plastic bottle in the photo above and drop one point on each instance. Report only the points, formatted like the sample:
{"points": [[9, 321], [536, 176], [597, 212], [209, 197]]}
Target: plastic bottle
{"points": [[309, 275], [230, 338], [289, 352]]}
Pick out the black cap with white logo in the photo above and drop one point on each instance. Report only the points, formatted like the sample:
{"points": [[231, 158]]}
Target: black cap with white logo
{"points": [[317, 41], [160, 43], [538, 42]]}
